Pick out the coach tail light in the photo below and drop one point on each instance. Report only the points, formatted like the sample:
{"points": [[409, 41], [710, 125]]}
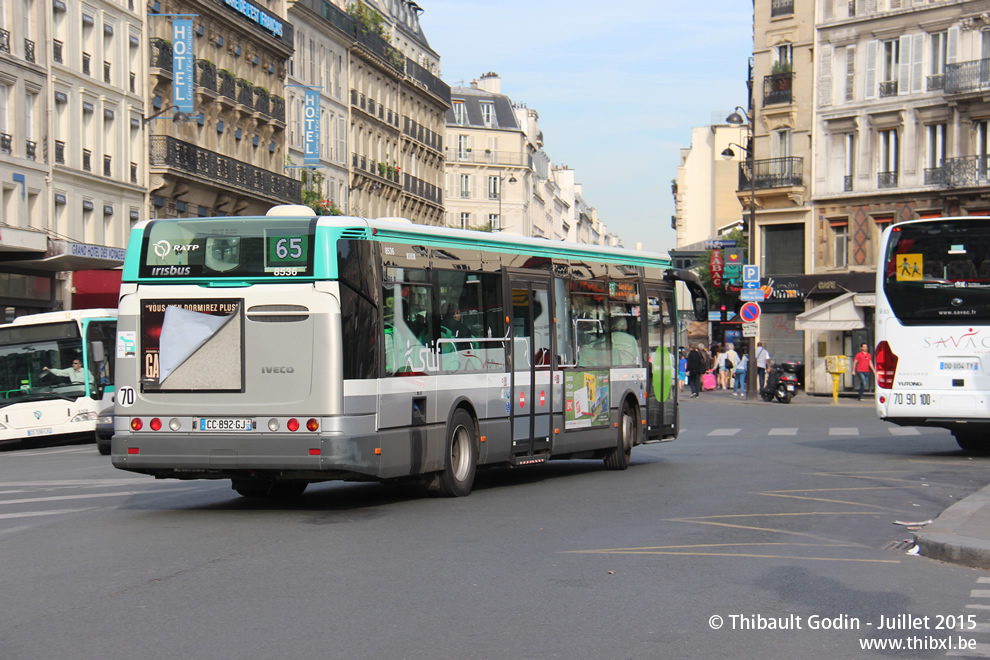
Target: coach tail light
{"points": [[886, 365]]}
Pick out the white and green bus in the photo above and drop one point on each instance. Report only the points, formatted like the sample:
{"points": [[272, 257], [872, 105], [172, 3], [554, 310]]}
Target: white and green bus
{"points": [[56, 374], [289, 349]]}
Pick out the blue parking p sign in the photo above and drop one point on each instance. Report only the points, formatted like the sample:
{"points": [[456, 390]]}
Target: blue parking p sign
{"points": [[751, 273]]}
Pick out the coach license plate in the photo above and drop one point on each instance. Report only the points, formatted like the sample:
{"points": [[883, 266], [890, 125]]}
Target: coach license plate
{"points": [[959, 365], [225, 424]]}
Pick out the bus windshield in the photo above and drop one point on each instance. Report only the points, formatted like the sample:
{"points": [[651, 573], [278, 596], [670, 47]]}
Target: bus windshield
{"points": [[42, 362], [227, 247], [939, 272]]}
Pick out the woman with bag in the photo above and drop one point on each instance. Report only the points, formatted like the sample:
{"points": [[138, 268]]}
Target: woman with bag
{"points": [[730, 359]]}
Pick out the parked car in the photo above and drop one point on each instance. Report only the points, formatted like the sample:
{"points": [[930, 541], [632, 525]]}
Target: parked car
{"points": [[104, 430]]}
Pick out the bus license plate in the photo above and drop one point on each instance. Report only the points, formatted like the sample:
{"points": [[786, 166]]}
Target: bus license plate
{"points": [[959, 365], [225, 424], [39, 432]]}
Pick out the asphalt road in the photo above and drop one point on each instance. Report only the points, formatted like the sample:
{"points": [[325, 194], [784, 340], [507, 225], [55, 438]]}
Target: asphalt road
{"points": [[762, 515]]}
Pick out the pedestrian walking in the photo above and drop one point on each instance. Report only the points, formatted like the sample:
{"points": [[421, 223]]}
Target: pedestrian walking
{"points": [[730, 359], [864, 367], [695, 367], [740, 375], [762, 364], [682, 370]]}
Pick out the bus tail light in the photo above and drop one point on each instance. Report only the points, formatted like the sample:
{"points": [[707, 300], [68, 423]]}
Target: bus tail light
{"points": [[312, 425], [155, 424], [292, 424], [137, 424], [886, 365]]}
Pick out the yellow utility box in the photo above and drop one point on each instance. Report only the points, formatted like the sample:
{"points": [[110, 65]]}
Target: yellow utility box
{"points": [[836, 365]]}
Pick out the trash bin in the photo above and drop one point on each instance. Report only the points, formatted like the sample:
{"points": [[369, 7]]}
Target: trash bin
{"points": [[836, 365]]}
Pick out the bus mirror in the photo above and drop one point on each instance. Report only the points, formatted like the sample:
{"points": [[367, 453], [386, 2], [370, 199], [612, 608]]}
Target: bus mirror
{"points": [[96, 351], [699, 297]]}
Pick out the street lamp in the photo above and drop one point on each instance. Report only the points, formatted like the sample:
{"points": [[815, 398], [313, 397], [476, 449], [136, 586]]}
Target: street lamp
{"points": [[179, 117], [740, 117], [511, 179]]}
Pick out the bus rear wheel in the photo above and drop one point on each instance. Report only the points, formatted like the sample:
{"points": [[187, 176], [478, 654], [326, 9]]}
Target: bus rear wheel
{"points": [[461, 456], [618, 457]]}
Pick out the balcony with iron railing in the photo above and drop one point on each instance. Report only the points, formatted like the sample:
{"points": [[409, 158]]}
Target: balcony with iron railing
{"points": [[847, 183], [228, 84], [262, 101], [161, 55], [168, 152], [107, 165], [4, 41], [60, 152], [934, 176], [6, 142], [422, 189], [784, 172], [777, 88], [134, 172], [781, 8], [207, 75], [966, 172], [57, 51], [967, 77], [85, 63], [107, 77], [29, 50], [245, 93], [935, 82], [87, 160], [278, 108], [887, 179], [888, 88], [485, 157], [30, 149]]}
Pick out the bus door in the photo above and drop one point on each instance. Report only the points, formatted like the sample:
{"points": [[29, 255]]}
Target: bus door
{"points": [[530, 401], [661, 331]]}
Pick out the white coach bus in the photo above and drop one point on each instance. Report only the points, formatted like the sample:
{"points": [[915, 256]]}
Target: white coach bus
{"points": [[932, 332], [56, 374], [288, 349]]}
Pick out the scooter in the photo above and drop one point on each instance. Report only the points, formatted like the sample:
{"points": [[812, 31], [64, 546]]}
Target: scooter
{"points": [[791, 373], [775, 388]]}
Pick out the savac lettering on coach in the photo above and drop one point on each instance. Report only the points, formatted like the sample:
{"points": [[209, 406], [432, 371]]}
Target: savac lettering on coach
{"points": [[968, 340]]}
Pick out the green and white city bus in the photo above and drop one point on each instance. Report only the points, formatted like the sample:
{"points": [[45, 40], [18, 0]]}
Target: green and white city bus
{"points": [[56, 374], [289, 349]]}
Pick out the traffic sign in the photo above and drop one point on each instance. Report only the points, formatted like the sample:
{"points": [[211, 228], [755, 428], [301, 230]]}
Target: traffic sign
{"points": [[749, 312], [751, 330], [752, 295], [751, 273]]}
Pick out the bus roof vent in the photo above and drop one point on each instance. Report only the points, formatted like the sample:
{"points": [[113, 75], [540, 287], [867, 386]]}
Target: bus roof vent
{"points": [[291, 211], [354, 234]]}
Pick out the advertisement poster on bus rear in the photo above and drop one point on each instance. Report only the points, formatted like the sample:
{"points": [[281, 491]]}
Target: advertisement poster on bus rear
{"points": [[586, 399], [172, 331]]}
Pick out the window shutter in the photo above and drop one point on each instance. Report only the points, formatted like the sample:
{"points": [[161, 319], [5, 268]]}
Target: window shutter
{"points": [[825, 77], [871, 6], [850, 72], [952, 44], [829, 10], [871, 70], [895, 4], [904, 66], [918, 64]]}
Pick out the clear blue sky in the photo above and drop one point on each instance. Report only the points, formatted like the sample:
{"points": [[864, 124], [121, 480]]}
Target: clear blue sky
{"points": [[618, 86]]}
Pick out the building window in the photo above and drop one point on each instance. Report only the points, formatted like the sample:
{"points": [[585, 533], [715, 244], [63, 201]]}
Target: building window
{"points": [[850, 169], [494, 190], [465, 186], [840, 243], [938, 53], [934, 153], [783, 249], [488, 114], [460, 113], [850, 72], [494, 221], [890, 64], [465, 220], [462, 147], [888, 158]]}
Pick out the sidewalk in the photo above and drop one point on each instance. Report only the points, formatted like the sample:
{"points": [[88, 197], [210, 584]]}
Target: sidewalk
{"points": [[961, 533], [801, 398]]}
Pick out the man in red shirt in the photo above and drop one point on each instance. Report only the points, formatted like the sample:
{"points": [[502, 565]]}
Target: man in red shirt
{"points": [[863, 367]]}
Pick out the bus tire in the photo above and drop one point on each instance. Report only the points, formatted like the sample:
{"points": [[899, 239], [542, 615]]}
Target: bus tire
{"points": [[618, 458], [460, 456], [972, 442]]}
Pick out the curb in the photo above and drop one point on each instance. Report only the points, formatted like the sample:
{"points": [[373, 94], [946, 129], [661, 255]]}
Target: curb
{"points": [[946, 539]]}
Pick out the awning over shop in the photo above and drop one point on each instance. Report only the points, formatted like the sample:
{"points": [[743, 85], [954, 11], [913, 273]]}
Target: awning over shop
{"points": [[840, 313], [64, 255]]}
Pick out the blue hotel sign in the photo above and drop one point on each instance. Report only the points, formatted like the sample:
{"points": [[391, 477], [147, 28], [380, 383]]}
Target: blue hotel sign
{"points": [[182, 64], [257, 15], [311, 127]]}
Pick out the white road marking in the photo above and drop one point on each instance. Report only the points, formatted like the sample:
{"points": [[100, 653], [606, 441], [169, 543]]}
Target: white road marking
{"points": [[28, 514], [783, 432], [724, 432], [84, 496], [846, 430], [904, 430]]}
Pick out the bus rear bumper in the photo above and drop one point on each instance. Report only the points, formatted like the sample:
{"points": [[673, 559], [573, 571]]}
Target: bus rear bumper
{"points": [[183, 456]]}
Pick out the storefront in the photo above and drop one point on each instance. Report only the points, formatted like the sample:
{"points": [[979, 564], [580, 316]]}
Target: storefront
{"points": [[839, 317]]}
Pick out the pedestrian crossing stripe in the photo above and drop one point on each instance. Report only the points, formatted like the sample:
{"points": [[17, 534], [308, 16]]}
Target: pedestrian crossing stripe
{"points": [[833, 431]]}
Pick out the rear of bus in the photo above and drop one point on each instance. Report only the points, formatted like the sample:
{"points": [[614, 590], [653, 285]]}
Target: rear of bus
{"points": [[229, 367], [933, 327]]}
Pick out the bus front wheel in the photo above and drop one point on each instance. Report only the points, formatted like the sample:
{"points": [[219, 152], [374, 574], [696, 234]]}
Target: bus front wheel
{"points": [[461, 456], [618, 457]]}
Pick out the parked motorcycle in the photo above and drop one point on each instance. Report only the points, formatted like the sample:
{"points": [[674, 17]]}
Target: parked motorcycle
{"points": [[776, 388], [792, 371]]}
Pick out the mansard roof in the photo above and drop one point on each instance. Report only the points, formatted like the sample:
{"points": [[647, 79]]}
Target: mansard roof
{"points": [[472, 98]]}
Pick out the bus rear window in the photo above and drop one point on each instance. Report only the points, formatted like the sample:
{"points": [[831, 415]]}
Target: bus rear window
{"points": [[235, 247], [939, 271]]}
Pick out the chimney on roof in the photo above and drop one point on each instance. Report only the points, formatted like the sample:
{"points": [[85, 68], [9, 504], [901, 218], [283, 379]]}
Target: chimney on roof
{"points": [[491, 82]]}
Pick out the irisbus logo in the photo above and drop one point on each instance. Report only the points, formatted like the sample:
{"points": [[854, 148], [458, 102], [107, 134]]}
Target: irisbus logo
{"points": [[970, 339]]}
